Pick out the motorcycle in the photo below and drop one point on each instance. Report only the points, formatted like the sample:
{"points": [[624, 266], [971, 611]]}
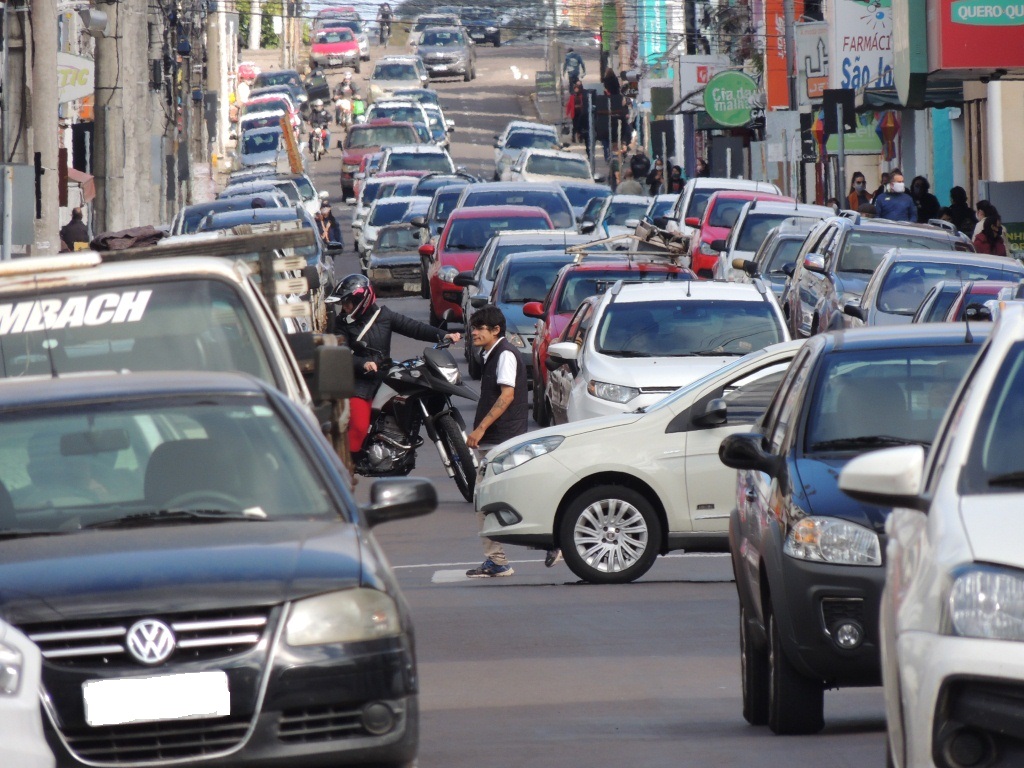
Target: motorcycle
{"points": [[412, 394], [385, 32], [317, 139]]}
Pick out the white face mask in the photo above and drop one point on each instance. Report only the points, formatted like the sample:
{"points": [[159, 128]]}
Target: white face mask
{"points": [[898, 187]]}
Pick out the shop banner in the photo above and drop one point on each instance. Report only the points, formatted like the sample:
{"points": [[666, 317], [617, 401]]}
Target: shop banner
{"points": [[75, 77], [812, 63], [975, 34], [861, 44]]}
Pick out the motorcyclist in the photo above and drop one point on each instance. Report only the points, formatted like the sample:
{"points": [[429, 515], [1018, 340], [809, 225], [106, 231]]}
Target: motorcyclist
{"points": [[384, 17], [345, 89], [320, 119], [367, 328]]}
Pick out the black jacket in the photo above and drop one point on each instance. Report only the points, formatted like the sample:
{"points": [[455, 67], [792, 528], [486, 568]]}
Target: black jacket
{"points": [[375, 346]]}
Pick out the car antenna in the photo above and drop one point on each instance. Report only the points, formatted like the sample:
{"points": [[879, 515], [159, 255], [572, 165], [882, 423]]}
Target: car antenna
{"points": [[688, 288], [48, 343]]}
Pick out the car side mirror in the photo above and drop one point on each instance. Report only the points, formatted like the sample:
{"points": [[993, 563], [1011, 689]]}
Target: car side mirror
{"points": [[478, 301], [978, 312], [692, 221], [333, 374], [746, 265], [564, 351], [890, 477], [853, 309], [661, 222], [465, 279], [716, 413], [718, 245], [789, 269], [815, 262], [534, 309], [587, 227], [745, 450], [359, 175], [399, 498], [419, 221], [426, 250], [312, 278]]}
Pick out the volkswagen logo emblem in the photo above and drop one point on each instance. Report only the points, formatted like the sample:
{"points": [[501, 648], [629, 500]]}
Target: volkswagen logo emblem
{"points": [[150, 641]]}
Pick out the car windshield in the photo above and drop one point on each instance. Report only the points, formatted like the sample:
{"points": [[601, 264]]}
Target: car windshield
{"points": [[545, 165], [995, 463], [698, 202], [725, 212], [580, 285], [786, 251], [864, 399], [417, 94], [580, 196], [444, 203], [410, 114], [907, 282], [267, 105], [440, 37], [264, 79], [160, 326], [473, 234], [548, 200], [529, 140], [502, 252], [387, 212], [361, 137], [530, 280], [334, 36], [371, 190], [940, 305], [194, 214], [660, 208], [396, 239], [620, 211], [431, 162], [396, 72], [863, 251], [685, 327], [262, 121], [254, 143], [120, 464], [395, 189], [756, 227], [351, 24]]}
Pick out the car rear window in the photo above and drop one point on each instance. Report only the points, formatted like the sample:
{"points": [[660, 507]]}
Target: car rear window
{"points": [[549, 201], [558, 166], [360, 138], [725, 212], [432, 162], [863, 250], [906, 284], [473, 234], [580, 285], [619, 212]]}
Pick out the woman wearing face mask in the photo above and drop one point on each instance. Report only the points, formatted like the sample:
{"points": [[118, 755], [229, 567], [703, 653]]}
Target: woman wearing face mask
{"points": [[984, 209], [858, 192], [990, 239]]}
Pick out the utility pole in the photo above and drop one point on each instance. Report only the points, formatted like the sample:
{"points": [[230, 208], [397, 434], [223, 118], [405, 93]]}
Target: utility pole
{"points": [[255, 24], [110, 159], [44, 122]]}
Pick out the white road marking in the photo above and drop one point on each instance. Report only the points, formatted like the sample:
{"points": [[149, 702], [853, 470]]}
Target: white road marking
{"points": [[448, 577]]}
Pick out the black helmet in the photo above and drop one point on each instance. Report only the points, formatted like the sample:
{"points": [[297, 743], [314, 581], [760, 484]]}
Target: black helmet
{"points": [[357, 289]]}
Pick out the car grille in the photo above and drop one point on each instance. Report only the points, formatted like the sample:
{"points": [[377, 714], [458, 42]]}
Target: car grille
{"points": [[136, 743], [835, 609], [198, 636], [406, 273], [320, 724]]}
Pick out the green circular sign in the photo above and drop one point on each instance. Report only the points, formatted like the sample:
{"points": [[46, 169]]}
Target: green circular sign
{"points": [[729, 97]]}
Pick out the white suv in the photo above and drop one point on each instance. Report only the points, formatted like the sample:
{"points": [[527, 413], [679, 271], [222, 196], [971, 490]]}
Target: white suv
{"points": [[952, 614], [648, 339], [685, 217]]}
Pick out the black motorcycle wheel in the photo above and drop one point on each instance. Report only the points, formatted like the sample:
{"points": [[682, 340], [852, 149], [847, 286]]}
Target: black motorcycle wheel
{"points": [[459, 455]]}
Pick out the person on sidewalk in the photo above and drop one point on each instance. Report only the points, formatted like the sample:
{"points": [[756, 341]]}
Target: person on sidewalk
{"points": [[628, 185], [895, 204], [990, 239], [573, 67], [75, 232], [501, 412]]}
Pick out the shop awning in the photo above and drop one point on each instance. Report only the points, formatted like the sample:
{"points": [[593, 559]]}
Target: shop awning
{"points": [[938, 95], [84, 180]]}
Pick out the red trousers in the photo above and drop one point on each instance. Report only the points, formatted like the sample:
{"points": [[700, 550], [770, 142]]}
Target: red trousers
{"points": [[358, 422]]}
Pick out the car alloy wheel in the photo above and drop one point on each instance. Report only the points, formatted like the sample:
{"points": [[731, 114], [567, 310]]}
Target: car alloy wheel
{"points": [[610, 535], [796, 704]]}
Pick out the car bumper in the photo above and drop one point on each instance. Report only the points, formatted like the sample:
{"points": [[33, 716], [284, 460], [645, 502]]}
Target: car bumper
{"points": [[320, 708], [587, 406], [952, 684], [445, 296], [441, 68], [335, 59], [396, 277], [815, 599], [527, 499], [703, 265]]}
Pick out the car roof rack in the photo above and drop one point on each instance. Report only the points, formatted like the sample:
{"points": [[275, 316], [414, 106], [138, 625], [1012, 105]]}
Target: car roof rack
{"points": [[949, 226], [647, 242], [852, 215]]}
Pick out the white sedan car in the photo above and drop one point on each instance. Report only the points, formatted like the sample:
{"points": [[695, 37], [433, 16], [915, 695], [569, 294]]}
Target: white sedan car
{"points": [[616, 492], [22, 744], [951, 625], [646, 340], [549, 165]]}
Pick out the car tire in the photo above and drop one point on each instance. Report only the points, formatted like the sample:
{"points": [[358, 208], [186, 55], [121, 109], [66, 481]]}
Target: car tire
{"points": [[358, 67], [610, 535], [467, 76], [497, 43], [424, 282], [796, 704], [753, 675]]}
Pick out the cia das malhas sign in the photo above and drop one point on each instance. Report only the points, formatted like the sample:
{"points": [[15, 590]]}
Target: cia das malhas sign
{"points": [[729, 97]]}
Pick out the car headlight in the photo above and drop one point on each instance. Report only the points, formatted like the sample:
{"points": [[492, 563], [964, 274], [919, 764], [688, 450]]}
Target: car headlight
{"points": [[616, 393], [988, 603], [491, 29], [707, 250], [830, 540], [11, 662], [350, 167], [515, 339], [349, 616], [447, 274], [522, 453]]}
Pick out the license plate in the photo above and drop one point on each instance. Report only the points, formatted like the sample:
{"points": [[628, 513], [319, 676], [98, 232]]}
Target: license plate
{"points": [[478, 36], [411, 287], [155, 699], [334, 61]]}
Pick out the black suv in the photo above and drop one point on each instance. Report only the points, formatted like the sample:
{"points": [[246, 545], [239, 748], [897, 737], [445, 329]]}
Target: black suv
{"points": [[837, 260], [809, 560], [483, 28]]}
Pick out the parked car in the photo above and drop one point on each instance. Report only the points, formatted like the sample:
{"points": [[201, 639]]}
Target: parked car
{"points": [[549, 165], [952, 651], [550, 197], [464, 235], [173, 494], [615, 214], [806, 558], [394, 260], [720, 214], [447, 51], [838, 258], [575, 282], [616, 492], [189, 217], [649, 339], [21, 717], [775, 260], [757, 218], [366, 138], [903, 277], [689, 209]]}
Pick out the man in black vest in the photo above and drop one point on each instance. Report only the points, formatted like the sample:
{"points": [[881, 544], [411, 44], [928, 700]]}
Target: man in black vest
{"points": [[501, 413]]}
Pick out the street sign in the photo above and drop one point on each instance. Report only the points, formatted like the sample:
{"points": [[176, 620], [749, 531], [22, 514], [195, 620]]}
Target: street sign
{"points": [[729, 98]]}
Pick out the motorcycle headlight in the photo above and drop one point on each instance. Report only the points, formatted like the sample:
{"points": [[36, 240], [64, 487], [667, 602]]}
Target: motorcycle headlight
{"points": [[988, 603], [349, 616], [522, 453], [515, 339], [616, 393], [830, 540], [11, 662], [450, 373]]}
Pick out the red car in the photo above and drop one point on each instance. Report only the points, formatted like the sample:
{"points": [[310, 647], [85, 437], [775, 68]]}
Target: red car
{"points": [[975, 293], [722, 210], [464, 235], [574, 283], [335, 47], [367, 138]]}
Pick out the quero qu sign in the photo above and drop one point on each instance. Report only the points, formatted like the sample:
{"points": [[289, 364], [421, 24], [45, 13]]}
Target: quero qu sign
{"points": [[729, 98]]}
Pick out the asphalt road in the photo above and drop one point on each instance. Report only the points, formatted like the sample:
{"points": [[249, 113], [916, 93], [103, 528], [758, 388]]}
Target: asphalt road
{"points": [[538, 669]]}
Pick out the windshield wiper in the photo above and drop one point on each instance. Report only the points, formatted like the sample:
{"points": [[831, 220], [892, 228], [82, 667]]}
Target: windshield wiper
{"points": [[163, 516], [713, 353], [1010, 478], [865, 440], [625, 353]]}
